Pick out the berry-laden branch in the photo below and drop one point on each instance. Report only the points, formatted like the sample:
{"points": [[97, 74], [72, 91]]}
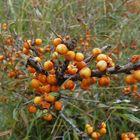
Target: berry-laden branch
{"points": [[60, 73], [65, 68], [127, 68], [118, 69]]}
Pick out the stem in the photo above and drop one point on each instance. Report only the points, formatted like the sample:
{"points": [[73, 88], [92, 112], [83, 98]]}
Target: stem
{"points": [[73, 125], [121, 69]]}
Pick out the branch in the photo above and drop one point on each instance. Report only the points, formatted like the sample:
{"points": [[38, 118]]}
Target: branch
{"points": [[57, 34], [81, 133], [95, 73], [115, 70], [37, 66], [60, 70]]}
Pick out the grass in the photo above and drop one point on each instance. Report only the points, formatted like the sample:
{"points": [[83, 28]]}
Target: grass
{"points": [[112, 23]]}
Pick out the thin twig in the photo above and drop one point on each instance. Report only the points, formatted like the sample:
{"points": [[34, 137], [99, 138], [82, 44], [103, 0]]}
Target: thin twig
{"points": [[81, 133], [56, 34]]}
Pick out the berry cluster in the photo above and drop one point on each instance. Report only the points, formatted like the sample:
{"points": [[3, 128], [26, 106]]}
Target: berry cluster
{"points": [[132, 81], [55, 75], [129, 136], [95, 134]]}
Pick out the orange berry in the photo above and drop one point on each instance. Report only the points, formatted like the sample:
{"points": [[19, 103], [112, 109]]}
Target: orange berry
{"points": [[101, 65], [35, 83], [55, 88], [95, 135], [129, 79], [49, 98], [88, 32], [131, 135], [62, 49], [26, 45], [86, 44], [137, 75], [69, 85], [82, 44], [102, 57], [103, 131], [31, 69], [48, 65], [70, 55], [88, 39], [10, 41], [45, 105], [47, 49], [46, 88], [80, 65], [85, 72], [89, 130], [52, 71], [104, 81], [37, 100], [109, 59], [87, 125], [1, 57], [72, 69], [32, 109], [96, 51], [12, 74], [103, 125], [25, 51], [124, 135], [93, 80], [42, 78], [57, 41], [4, 26], [86, 82], [51, 79], [38, 41], [127, 90], [79, 57], [48, 117], [98, 135], [41, 50], [58, 105], [81, 39]]}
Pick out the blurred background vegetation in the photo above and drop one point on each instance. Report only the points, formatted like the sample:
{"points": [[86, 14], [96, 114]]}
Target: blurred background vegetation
{"points": [[112, 22]]}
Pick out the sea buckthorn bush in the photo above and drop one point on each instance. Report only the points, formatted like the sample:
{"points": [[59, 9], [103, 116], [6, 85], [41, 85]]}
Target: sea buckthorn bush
{"points": [[70, 70]]}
